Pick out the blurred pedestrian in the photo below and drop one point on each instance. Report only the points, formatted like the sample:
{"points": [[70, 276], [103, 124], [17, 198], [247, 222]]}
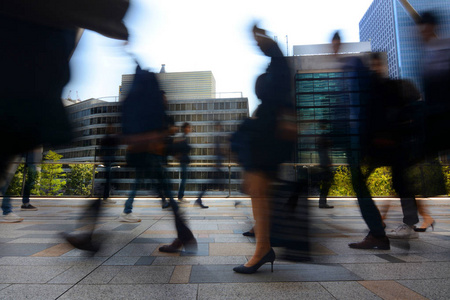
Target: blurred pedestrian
{"points": [[345, 117], [41, 40], [146, 129], [262, 143], [183, 157]]}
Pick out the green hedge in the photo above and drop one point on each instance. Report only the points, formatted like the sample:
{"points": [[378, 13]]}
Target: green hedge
{"points": [[427, 180]]}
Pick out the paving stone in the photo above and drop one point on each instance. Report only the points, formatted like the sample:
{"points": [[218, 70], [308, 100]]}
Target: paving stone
{"points": [[411, 257], [399, 271], [200, 260], [6, 240], [132, 291], [143, 274], [2, 286], [106, 250], [429, 288], [73, 275], [126, 227], [435, 256], [391, 290], [238, 291], [418, 246], [181, 274], [33, 291], [348, 290], [282, 273], [56, 250], [102, 275], [390, 258], [239, 239], [54, 227], [138, 249], [29, 274], [207, 226], [42, 236], [222, 249], [50, 261], [121, 261], [349, 259], [23, 249], [416, 267], [145, 261]]}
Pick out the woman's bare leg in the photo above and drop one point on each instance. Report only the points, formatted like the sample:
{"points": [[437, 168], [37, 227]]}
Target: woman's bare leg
{"points": [[257, 185]]}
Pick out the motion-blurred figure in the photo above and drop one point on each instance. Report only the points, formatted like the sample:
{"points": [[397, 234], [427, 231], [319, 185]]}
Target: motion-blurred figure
{"points": [[41, 39], [184, 158], [146, 129], [32, 159], [436, 83], [147, 152], [376, 239], [392, 131], [262, 143], [5, 180], [324, 144], [218, 175], [108, 149]]}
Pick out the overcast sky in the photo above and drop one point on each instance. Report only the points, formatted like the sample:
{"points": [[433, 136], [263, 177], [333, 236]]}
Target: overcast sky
{"points": [[206, 35]]}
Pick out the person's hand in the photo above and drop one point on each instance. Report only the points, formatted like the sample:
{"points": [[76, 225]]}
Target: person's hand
{"points": [[264, 42]]}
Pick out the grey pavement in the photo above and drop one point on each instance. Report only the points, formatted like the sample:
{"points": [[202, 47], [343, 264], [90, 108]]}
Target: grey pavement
{"points": [[37, 263]]}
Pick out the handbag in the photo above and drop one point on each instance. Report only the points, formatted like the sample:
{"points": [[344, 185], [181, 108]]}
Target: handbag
{"points": [[289, 220]]}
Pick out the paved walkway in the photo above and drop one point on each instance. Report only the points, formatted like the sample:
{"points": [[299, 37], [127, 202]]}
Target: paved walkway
{"points": [[36, 263]]}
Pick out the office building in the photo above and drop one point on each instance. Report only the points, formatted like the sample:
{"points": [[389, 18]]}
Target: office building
{"points": [[91, 117], [390, 29], [179, 85], [328, 99]]}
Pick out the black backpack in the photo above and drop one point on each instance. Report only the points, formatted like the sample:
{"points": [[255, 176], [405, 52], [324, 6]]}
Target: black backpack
{"points": [[143, 109]]}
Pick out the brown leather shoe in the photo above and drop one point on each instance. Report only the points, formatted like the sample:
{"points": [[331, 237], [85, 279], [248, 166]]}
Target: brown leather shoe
{"points": [[174, 247], [372, 242], [325, 206]]}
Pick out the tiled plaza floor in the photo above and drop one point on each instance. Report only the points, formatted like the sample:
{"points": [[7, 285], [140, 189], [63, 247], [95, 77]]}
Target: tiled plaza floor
{"points": [[36, 263]]}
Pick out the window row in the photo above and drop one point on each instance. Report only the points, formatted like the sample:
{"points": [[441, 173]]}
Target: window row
{"points": [[208, 139], [213, 128], [97, 131], [208, 106], [98, 120], [95, 110], [210, 117]]}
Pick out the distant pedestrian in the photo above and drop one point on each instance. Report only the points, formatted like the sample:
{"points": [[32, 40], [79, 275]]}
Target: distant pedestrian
{"points": [[183, 157]]}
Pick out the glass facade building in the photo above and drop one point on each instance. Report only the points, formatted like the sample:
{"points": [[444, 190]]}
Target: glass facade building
{"points": [[328, 104], [389, 28]]}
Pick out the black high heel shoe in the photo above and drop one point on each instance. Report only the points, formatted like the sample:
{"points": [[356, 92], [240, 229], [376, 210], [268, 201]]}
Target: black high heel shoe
{"points": [[423, 229], [248, 233], [269, 257]]}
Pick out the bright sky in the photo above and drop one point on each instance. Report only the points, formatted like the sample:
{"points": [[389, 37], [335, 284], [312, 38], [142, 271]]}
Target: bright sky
{"points": [[206, 35]]}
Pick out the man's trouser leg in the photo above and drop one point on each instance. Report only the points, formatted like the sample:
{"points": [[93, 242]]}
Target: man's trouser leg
{"points": [[369, 210]]}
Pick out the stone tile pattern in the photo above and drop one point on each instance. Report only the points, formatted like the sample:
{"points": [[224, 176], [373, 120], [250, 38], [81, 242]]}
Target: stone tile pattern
{"points": [[36, 262]]}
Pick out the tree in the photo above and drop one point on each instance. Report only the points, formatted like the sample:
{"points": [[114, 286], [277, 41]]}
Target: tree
{"points": [[15, 187], [79, 180], [51, 179]]}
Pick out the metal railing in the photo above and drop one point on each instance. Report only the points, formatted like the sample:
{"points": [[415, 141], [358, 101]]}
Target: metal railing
{"points": [[291, 173]]}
